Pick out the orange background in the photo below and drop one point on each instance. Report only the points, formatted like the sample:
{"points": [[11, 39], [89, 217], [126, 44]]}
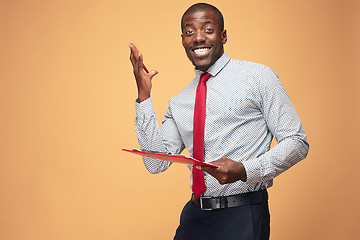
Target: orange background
{"points": [[67, 108]]}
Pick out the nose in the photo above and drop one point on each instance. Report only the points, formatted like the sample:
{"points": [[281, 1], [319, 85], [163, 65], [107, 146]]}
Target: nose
{"points": [[199, 36]]}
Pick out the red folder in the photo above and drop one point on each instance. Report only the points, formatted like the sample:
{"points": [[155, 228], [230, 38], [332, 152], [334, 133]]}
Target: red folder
{"points": [[169, 157]]}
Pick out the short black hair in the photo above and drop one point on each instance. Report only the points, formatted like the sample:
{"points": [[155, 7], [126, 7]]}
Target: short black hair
{"points": [[199, 7]]}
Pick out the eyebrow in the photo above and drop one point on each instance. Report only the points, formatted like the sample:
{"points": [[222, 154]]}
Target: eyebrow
{"points": [[190, 24]]}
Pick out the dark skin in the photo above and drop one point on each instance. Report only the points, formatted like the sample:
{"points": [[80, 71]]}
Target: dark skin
{"points": [[201, 31], [203, 42], [143, 79]]}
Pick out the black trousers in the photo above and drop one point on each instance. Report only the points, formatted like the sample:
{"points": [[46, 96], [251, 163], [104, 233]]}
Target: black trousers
{"points": [[250, 222]]}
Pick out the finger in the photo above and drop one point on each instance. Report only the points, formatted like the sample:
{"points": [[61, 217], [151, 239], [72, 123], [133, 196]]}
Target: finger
{"points": [[152, 73], [204, 168], [134, 53], [132, 59], [216, 164], [132, 56], [133, 48], [140, 62]]}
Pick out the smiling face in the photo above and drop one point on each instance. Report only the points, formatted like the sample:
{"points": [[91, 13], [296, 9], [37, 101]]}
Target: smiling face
{"points": [[202, 38]]}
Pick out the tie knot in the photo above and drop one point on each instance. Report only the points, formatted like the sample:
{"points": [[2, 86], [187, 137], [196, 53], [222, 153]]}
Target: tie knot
{"points": [[204, 77]]}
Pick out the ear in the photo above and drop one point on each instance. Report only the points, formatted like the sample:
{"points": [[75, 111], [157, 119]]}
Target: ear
{"points": [[224, 36], [182, 39]]}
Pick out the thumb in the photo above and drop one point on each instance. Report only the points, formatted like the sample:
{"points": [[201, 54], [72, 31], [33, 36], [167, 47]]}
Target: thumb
{"points": [[198, 167], [152, 73], [203, 168]]}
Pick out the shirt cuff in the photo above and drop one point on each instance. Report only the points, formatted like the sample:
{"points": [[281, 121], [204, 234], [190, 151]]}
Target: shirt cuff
{"points": [[144, 108], [253, 170]]}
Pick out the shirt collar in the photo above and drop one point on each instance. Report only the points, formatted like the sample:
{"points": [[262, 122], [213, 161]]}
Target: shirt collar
{"points": [[216, 67]]}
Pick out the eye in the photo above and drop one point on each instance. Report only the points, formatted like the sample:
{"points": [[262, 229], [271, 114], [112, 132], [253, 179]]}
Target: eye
{"points": [[209, 30], [189, 32]]}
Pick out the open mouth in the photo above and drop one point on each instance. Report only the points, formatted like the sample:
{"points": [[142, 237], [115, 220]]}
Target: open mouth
{"points": [[201, 51]]}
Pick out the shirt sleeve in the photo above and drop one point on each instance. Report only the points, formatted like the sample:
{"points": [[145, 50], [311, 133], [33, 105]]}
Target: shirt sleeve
{"points": [[151, 137], [284, 124]]}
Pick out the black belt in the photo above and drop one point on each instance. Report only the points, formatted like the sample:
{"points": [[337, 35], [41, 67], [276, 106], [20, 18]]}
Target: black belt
{"points": [[211, 203]]}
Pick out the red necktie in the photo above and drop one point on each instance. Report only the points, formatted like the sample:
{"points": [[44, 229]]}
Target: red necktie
{"points": [[198, 186]]}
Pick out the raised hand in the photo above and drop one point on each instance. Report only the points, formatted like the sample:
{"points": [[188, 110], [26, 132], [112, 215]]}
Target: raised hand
{"points": [[143, 79]]}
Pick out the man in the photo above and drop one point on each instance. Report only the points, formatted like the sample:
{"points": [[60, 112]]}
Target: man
{"points": [[227, 116]]}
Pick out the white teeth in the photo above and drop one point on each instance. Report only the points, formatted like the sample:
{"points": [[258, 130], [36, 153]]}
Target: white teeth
{"points": [[201, 51]]}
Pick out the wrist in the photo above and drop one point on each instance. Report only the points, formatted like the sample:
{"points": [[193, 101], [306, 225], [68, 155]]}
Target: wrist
{"points": [[143, 97], [243, 176]]}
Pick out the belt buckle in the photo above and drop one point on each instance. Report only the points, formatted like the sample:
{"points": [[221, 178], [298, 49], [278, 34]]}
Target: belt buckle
{"points": [[201, 204]]}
